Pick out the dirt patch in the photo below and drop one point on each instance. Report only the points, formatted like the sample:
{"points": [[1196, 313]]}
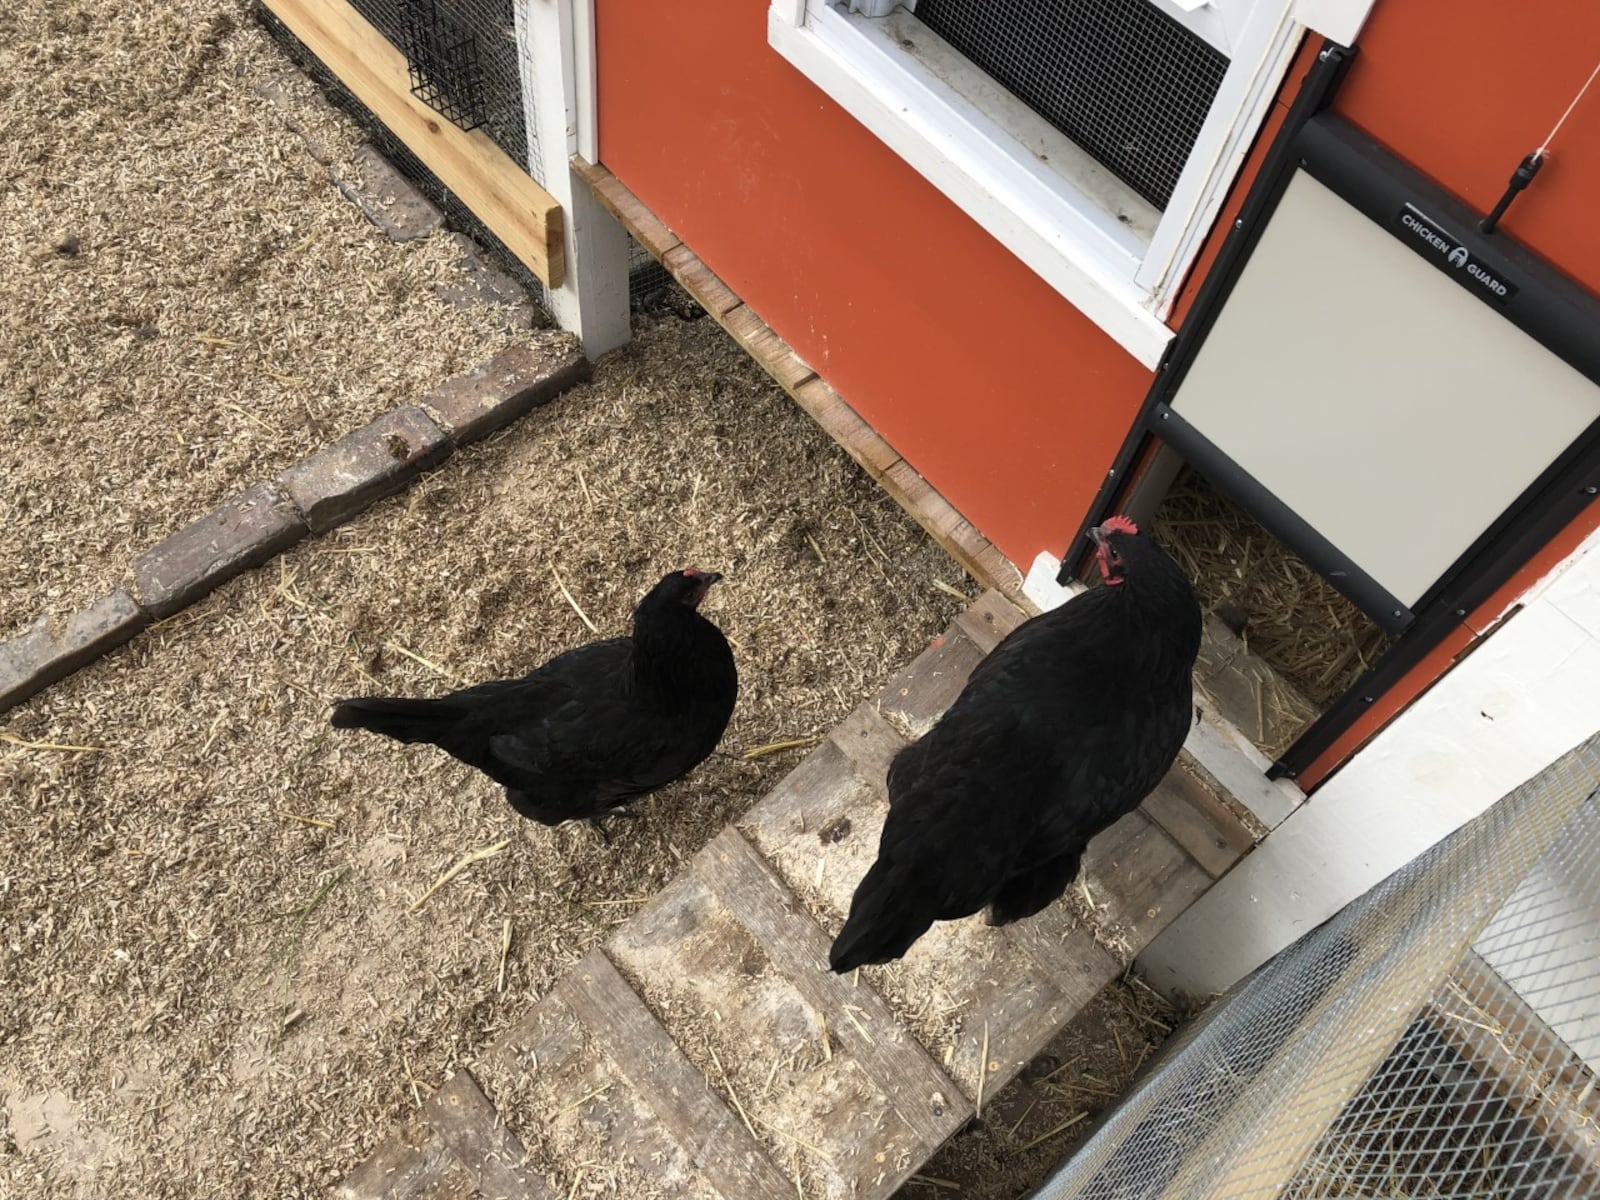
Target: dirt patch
{"points": [[187, 304], [226, 862]]}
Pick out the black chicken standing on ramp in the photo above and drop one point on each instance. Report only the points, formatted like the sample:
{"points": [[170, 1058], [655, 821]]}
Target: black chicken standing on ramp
{"points": [[1063, 729], [597, 726]]}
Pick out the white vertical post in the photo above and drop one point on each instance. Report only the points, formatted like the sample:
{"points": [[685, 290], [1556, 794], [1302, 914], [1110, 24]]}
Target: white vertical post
{"points": [[555, 45]]}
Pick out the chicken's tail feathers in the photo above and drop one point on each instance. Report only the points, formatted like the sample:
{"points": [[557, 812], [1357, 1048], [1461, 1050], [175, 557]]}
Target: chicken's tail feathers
{"points": [[881, 926], [403, 720]]}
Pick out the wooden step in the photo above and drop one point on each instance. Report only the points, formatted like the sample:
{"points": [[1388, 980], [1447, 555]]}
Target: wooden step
{"points": [[455, 1148]]}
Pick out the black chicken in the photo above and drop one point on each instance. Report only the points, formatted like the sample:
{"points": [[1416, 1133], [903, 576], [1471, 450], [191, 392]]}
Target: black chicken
{"points": [[595, 727], [1064, 728]]}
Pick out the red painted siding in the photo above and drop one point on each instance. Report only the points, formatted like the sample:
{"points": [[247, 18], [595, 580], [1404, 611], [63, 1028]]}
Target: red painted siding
{"points": [[1464, 90], [989, 383]]}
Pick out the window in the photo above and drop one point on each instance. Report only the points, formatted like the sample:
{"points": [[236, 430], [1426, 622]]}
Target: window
{"points": [[1095, 139]]}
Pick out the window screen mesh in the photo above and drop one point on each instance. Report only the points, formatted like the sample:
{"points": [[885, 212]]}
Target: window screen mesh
{"points": [[1122, 79]]}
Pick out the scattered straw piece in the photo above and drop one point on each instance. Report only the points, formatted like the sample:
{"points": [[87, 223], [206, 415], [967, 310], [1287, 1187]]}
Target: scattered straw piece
{"points": [[1050, 1133], [954, 593], [850, 1011], [13, 740], [466, 861], [733, 1095], [817, 1150], [804, 743], [416, 1095], [983, 1071], [583, 616], [317, 821], [417, 658], [947, 1184], [505, 949], [582, 1100]]}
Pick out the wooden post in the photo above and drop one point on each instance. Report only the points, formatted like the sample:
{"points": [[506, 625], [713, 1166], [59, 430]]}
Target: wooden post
{"points": [[556, 51]]}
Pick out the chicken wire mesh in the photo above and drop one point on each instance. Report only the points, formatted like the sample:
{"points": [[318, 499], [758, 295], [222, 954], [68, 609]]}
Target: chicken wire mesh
{"points": [[1119, 77], [1385, 1054]]}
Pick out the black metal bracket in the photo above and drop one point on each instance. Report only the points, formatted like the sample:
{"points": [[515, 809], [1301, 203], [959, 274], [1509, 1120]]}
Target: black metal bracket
{"points": [[446, 71]]}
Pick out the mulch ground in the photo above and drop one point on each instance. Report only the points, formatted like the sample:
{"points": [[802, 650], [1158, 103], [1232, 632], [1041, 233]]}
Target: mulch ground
{"points": [[187, 304], [215, 982]]}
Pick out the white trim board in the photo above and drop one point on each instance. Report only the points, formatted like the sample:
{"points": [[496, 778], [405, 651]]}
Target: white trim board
{"points": [[555, 44], [1526, 696]]}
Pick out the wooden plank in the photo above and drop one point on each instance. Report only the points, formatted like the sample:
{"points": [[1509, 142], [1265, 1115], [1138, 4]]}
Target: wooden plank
{"points": [[917, 696], [1140, 881], [842, 423], [498, 192], [714, 1139], [990, 619], [1184, 806], [992, 568], [767, 348], [647, 228], [924, 1096], [700, 281], [411, 1163], [760, 1042], [1487, 1023], [933, 511], [553, 1071], [491, 1155], [869, 742], [1078, 965], [1239, 770]]}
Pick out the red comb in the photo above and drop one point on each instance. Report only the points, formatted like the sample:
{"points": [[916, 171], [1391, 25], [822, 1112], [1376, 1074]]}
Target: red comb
{"points": [[1118, 524]]}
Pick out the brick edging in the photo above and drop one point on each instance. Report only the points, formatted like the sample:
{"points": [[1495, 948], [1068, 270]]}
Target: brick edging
{"points": [[315, 495]]}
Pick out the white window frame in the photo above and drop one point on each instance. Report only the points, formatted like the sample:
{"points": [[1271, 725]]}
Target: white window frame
{"points": [[987, 162]]}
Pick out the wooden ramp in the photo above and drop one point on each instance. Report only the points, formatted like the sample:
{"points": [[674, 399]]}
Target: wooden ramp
{"points": [[707, 1050]]}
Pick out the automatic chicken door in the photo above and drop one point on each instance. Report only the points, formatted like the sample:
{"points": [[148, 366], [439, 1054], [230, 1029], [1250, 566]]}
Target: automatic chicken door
{"points": [[1409, 404]]}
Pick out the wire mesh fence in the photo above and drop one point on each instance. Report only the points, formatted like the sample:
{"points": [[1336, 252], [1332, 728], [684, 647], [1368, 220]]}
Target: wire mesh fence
{"points": [[496, 96], [1387, 1053]]}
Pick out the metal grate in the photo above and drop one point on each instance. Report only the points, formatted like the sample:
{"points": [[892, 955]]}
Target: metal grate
{"points": [[1119, 77], [464, 59], [442, 54], [1387, 1053]]}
